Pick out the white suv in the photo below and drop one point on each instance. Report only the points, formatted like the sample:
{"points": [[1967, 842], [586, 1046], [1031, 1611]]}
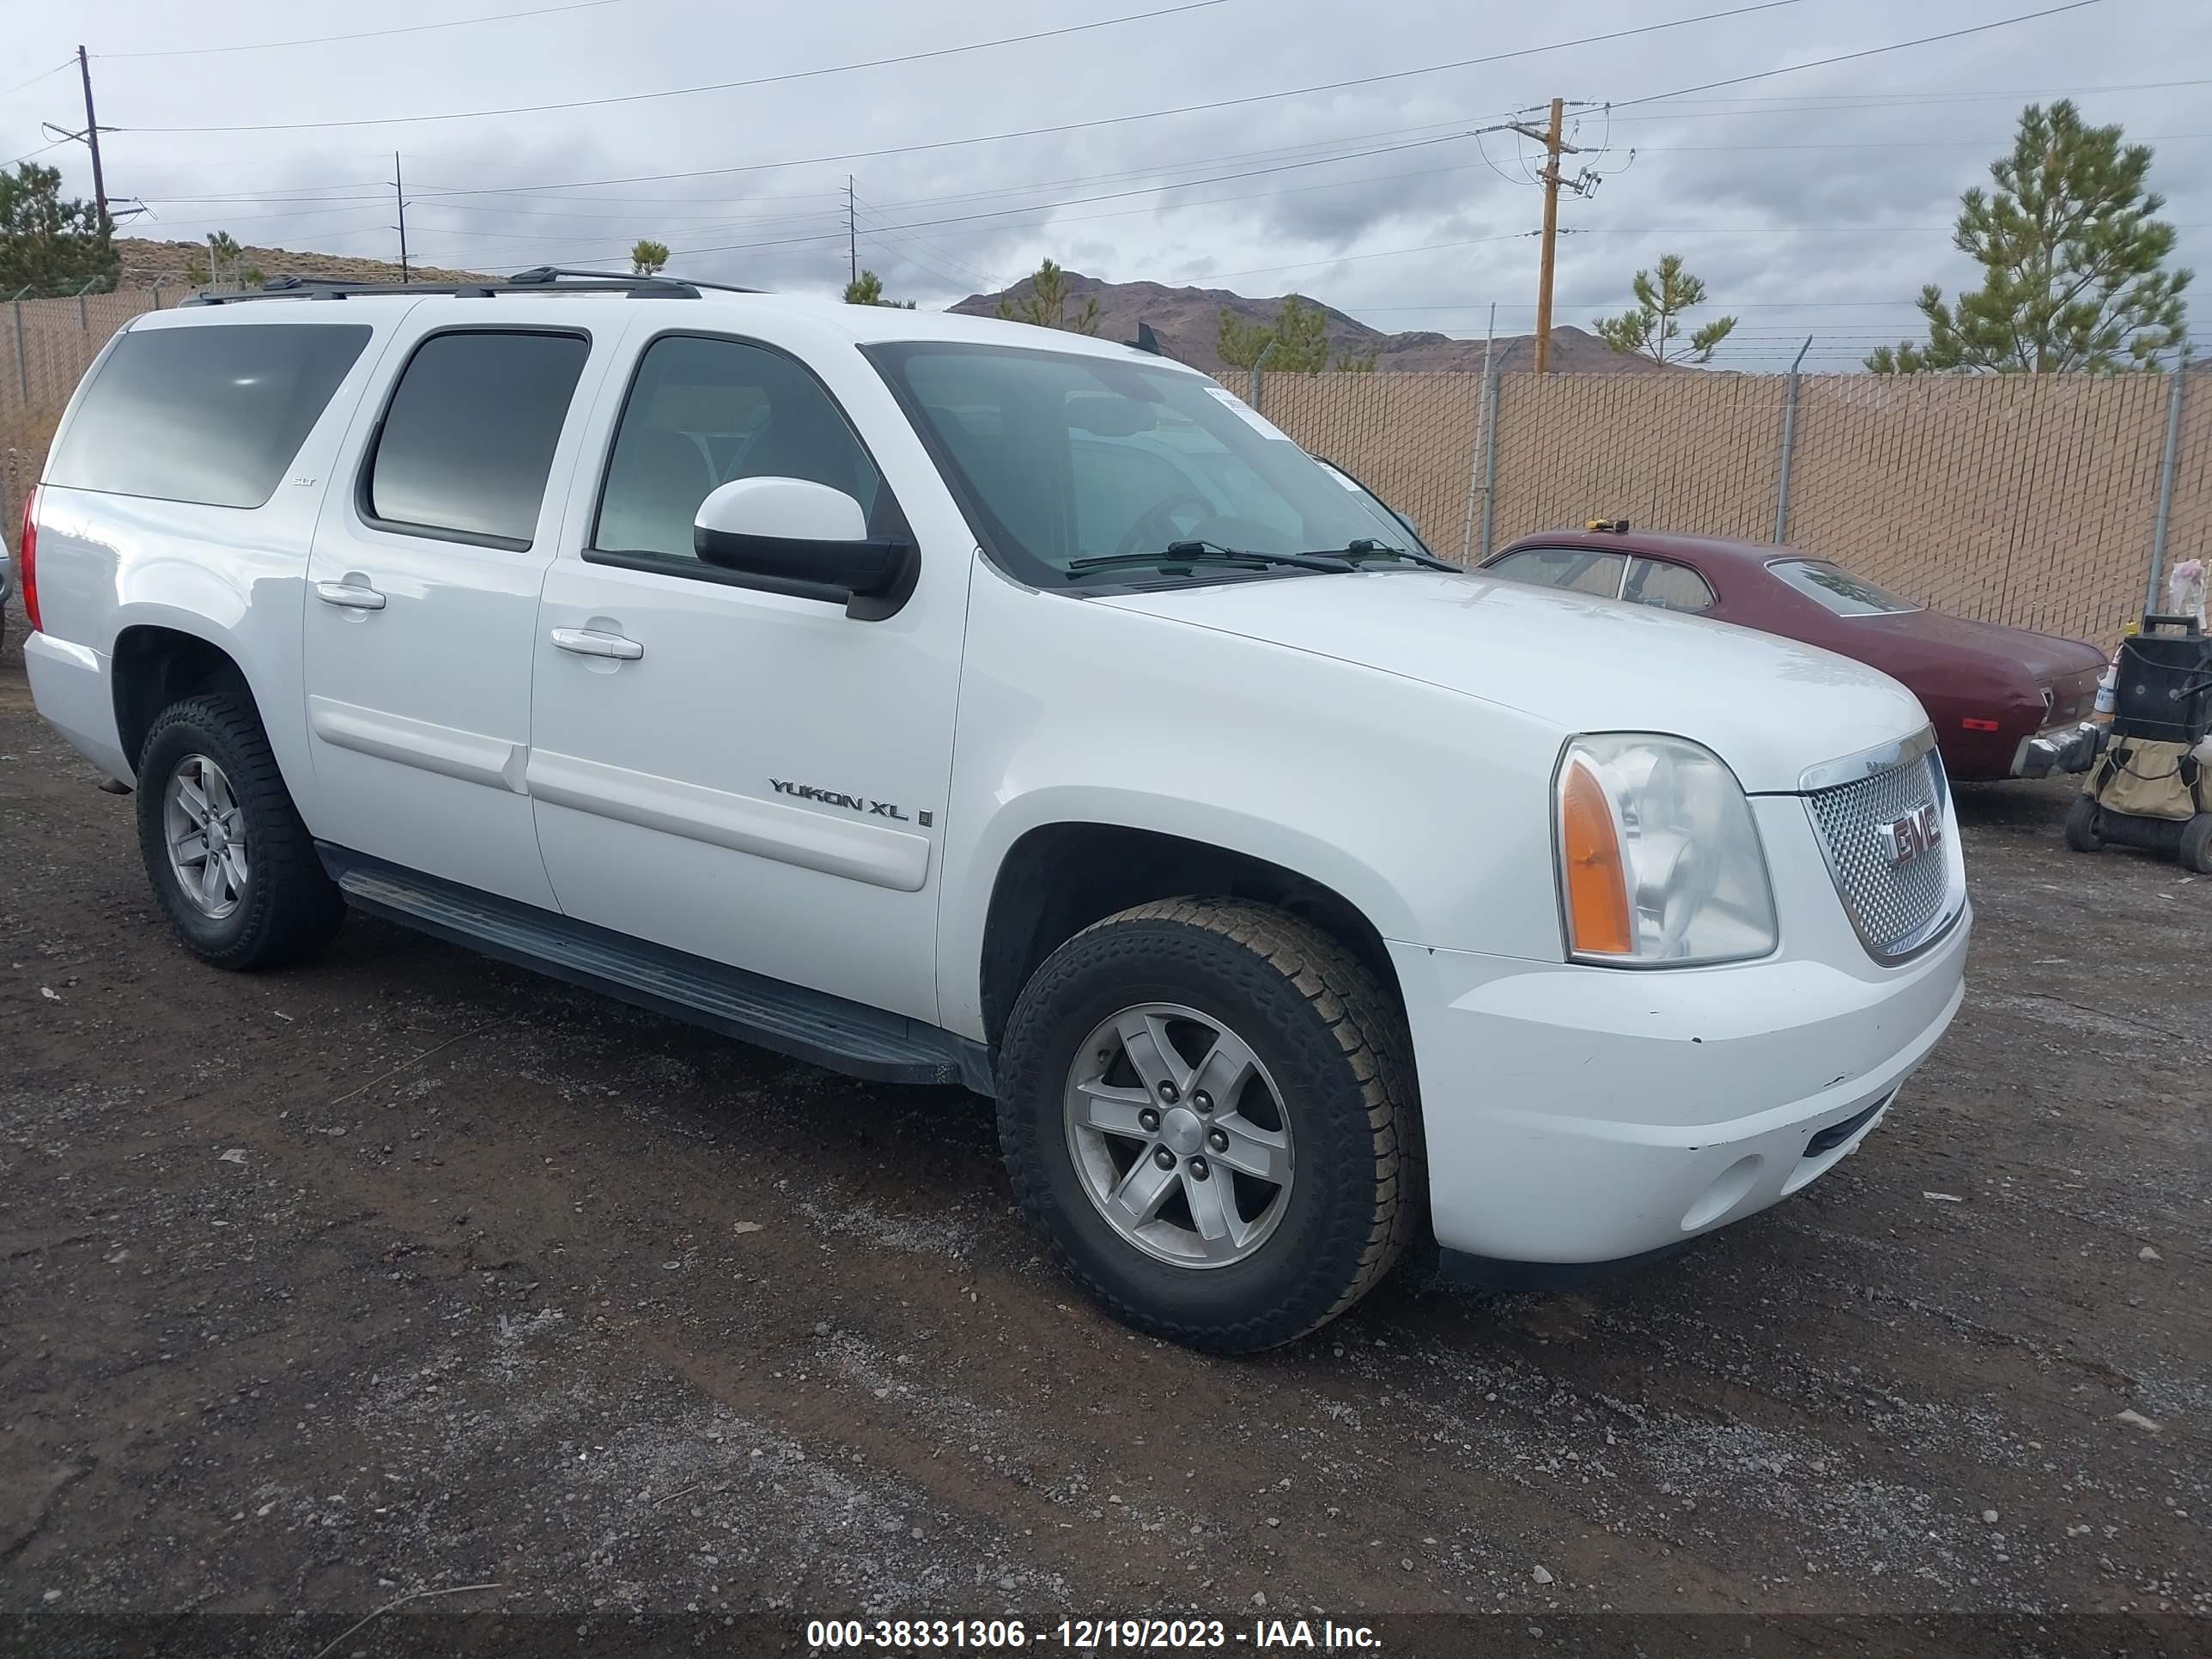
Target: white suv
{"points": [[942, 700]]}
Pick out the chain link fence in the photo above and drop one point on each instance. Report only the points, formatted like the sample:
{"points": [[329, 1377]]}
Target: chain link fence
{"points": [[2036, 501]]}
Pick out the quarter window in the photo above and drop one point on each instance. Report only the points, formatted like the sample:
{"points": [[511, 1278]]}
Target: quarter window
{"points": [[1667, 586], [704, 412], [211, 413], [1573, 569], [468, 441]]}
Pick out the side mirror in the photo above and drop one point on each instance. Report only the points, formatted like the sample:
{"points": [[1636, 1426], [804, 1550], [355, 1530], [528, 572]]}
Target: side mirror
{"points": [[792, 536]]}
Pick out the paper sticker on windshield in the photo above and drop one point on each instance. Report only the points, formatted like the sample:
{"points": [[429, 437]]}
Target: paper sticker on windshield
{"points": [[1251, 416]]}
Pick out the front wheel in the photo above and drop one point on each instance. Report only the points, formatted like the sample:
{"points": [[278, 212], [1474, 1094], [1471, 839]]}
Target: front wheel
{"points": [[1204, 1105]]}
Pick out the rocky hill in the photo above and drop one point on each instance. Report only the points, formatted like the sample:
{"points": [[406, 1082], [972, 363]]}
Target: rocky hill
{"points": [[1188, 321], [145, 262]]}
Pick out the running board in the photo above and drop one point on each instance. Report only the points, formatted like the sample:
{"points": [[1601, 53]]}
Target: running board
{"points": [[790, 1019]]}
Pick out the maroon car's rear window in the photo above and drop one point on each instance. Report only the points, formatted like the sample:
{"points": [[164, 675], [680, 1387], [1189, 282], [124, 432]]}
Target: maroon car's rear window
{"points": [[1836, 588]]}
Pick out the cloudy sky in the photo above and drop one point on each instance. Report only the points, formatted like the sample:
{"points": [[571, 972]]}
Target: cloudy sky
{"points": [[1814, 202]]}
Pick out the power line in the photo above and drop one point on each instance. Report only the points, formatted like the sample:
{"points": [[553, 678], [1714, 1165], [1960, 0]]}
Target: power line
{"points": [[66, 62], [719, 85], [1853, 57], [1074, 126], [366, 34]]}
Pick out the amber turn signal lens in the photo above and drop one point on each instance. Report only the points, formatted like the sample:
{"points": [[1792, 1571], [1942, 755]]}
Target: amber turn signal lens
{"points": [[1598, 919]]}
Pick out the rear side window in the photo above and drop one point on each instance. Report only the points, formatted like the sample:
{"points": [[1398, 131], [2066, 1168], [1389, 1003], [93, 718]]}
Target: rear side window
{"points": [[1667, 586], [211, 414], [469, 439], [1576, 570]]}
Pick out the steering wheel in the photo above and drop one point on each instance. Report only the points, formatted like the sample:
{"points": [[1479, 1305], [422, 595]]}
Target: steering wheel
{"points": [[1156, 526]]}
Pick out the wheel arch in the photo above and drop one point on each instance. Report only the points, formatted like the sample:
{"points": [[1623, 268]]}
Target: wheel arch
{"points": [[156, 662], [1059, 878]]}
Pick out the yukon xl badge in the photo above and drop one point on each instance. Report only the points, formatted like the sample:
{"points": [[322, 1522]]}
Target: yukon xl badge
{"points": [[879, 809], [1920, 830]]}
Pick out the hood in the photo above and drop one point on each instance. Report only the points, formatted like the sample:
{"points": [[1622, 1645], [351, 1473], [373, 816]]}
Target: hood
{"points": [[1769, 707], [2045, 656]]}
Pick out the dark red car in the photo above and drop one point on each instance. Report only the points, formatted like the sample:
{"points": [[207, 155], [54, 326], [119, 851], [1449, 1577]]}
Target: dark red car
{"points": [[1988, 688]]}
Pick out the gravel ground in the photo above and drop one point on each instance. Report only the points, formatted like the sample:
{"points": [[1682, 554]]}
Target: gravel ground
{"points": [[407, 1272]]}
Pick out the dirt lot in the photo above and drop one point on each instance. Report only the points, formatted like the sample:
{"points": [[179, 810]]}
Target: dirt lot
{"points": [[409, 1271]]}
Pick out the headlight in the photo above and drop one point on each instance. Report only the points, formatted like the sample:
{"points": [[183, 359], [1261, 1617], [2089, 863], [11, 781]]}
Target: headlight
{"points": [[1660, 864]]}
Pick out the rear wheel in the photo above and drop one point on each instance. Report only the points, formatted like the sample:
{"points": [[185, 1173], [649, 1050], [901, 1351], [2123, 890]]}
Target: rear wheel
{"points": [[232, 864], [2082, 833], [2195, 849], [1203, 1105]]}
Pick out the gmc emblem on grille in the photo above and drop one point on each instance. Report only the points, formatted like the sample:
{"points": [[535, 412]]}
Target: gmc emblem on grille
{"points": [[1918, 831]]}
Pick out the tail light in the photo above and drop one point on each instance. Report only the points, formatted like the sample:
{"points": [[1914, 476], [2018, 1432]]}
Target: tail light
{"points": [[26, 556]]}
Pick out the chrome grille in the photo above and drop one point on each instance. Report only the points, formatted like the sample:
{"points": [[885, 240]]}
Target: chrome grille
{"points": [[1896, 907]]}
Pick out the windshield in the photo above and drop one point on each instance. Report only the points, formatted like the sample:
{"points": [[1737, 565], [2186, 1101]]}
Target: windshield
{"points": [[1837, 589], [1394, 522], [1059, 457]]}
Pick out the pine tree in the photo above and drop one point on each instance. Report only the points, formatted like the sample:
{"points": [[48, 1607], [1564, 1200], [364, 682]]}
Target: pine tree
{"points": [[648, 259], [1650, 327], [1045, 303], [867, 289], [2073, 264], [47, 244], [1298, 337]]}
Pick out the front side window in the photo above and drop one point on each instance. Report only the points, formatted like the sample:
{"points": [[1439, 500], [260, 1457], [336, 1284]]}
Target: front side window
{"points": [[1572, 569], [1837, 589], [1057, 457], [211, 414], [1667, 586], [468, 442], [703, 412]]}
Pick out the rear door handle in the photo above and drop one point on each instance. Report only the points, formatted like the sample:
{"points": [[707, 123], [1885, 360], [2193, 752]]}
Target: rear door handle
{"points": [[590, 642], [353, 596]]}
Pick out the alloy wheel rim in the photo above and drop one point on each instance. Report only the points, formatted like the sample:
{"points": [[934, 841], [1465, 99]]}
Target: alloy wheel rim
{"points": [[1179, 1136], [205, 830]]}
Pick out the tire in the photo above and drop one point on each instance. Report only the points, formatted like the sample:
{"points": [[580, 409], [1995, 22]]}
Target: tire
{"points": [[1327, 1051], [2195, 849], [284, 907], [2082, 826]]}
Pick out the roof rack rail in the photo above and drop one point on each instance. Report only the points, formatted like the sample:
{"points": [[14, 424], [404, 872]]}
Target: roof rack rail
{"points": [[538, 279]]}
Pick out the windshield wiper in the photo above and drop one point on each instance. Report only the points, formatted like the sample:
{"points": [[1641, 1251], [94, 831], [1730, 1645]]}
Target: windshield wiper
{"points": [[1176, 554], [1365, 549]]}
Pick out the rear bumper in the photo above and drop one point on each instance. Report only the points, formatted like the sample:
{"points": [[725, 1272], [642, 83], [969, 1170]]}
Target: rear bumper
{"points": [[71, 686]]}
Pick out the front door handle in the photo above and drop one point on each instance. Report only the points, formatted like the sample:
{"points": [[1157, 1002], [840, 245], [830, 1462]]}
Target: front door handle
{"points": [[353, 596], [590, 642]]}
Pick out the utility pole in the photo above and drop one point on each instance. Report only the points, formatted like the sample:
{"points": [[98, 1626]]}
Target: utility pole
{"points": [[852, 236], [400, 195], [92, 139], [1553, 149]]}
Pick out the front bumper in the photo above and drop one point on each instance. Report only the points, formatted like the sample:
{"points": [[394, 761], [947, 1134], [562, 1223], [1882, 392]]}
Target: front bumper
{"points": [[1587, 1114], [2073, 747]]}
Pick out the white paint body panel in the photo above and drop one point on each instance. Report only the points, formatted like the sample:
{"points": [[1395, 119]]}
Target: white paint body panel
{"points": [[792, 509], [1391, 735], [423, 768], [691, 846]]}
